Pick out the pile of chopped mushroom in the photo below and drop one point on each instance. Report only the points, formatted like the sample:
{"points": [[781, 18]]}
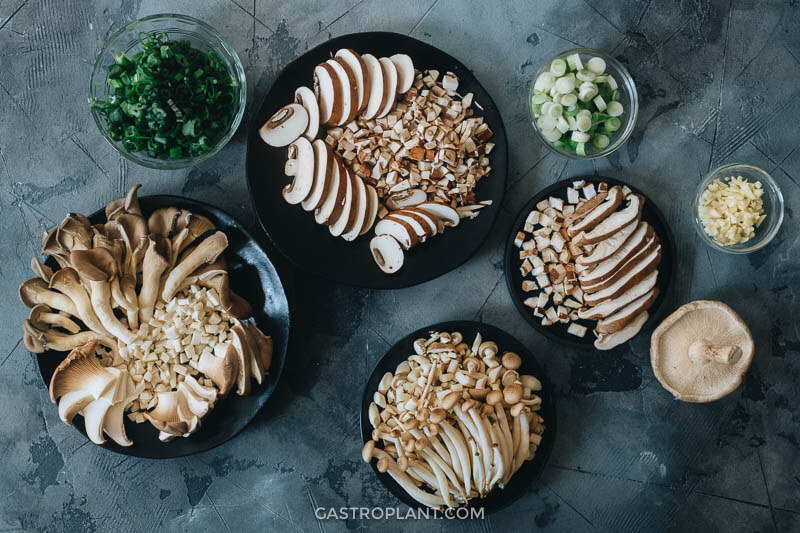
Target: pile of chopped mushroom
{"points": [[592, 261], [454, 421], [401, 146], [146, 309]]}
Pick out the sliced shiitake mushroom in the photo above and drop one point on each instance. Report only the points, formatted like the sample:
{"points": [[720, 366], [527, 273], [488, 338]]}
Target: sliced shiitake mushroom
{"points": [[305, 97], [389, 86], [405, 72], [301, 152], [387, 253], [353, 59], [323, 168], [327, 88], [285, 126], [374, 75]]}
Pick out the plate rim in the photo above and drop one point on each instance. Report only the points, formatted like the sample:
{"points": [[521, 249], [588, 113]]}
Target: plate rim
{"points": [[509, 255], [551, 427], [287, 284], [252, 131]]}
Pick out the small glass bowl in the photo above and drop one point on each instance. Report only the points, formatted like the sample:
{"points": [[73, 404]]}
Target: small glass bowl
{"points": [[177, 27], [630, 102], [772, 202]]}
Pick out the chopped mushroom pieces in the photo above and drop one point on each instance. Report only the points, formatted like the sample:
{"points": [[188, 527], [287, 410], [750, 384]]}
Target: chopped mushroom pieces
{"points": [[161, 333], [455, 421]]}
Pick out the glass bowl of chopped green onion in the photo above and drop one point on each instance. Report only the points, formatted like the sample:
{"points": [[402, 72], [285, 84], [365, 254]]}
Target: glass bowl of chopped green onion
{"points": [[583, 104], [167, 91], [738, 208]]}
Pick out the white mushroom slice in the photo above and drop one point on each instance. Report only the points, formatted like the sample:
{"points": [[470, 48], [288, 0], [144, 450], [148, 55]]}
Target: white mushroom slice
{"points": [[305, 97], [387, 253], [607, 342], [389, 86], [302, 153], [613, 223], [286, 125], [334, 195], [407, 198], [405, 72], [372, 209], [399, 229], [359, 210], [606, 248], [338, 224], [376, 82], [356, 64], [348, 95], [328, 89], [445, 213], [323, 168]]}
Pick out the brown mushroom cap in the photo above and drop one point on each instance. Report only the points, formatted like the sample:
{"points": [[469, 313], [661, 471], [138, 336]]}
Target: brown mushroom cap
{"points": [[701, 352]]}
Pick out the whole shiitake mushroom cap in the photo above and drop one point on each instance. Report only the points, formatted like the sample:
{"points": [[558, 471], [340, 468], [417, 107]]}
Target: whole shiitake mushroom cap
{"points": [[701, 352]]}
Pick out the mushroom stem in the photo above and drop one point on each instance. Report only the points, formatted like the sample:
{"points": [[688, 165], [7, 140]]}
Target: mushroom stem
{"points": [[205, 252], [66, 281], [155, 262], [702, 351]]}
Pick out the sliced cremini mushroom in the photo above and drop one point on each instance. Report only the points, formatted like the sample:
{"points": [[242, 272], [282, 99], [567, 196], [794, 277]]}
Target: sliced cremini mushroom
{"points": [[99, 268], [701, 352], [285, 126], [205, 252], [67, 282], [36, 291]]}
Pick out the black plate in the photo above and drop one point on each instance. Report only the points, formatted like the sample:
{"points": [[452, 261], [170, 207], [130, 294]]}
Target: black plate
{"points": [[558, 331], [254, 277], [530, 470], [310, 246]]}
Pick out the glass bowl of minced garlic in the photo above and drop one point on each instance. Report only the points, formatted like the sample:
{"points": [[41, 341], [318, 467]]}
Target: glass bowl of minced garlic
{"points": [[738, 208]]}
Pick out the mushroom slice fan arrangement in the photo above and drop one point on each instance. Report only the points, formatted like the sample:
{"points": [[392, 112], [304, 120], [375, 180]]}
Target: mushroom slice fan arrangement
{"points": [[145, 308], [454, 421], [589, 256], [399, 151]]}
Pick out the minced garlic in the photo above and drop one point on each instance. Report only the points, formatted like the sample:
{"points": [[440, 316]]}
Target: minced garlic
{"points": [[730, 210]]}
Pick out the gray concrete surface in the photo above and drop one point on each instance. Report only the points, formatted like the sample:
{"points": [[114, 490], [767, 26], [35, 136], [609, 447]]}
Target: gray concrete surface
{"points": [[718, 82]]}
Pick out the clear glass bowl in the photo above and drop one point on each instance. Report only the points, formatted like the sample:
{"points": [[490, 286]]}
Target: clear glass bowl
{"points": [[629, 100], [772, 203], [177, 27]]}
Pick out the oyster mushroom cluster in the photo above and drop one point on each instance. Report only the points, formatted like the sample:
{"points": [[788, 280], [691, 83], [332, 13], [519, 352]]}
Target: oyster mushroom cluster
{"points": [[399, 145], [145, 308], [454, 421]]}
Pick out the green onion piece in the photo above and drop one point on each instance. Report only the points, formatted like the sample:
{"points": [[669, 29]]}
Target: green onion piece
{"points": [[600, 141], [613, 124]]}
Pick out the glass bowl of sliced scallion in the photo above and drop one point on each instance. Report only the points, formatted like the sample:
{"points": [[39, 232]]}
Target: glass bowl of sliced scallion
{"points": [[167, 91], [583, 104]]}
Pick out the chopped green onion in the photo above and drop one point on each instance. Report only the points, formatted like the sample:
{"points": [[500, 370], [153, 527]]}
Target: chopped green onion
{"points": [[580, 149], [600, 141]]}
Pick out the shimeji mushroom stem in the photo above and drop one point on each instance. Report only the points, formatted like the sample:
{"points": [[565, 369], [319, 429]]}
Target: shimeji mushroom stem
{"points": [[388, 465], [463, 452], [701, 351]]}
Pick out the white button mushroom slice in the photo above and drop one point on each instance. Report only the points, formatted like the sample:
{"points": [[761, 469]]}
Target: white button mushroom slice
{"points": [[387, 253], [405, 72], [406, 198], [328, 90], [372, 209], [334, 195], [361, 206], [337, 224], [356, 63], [348, 94], [286, 125], [302, 153], [376, 86], [306, 98], [389, 86], [443, 212], [399, 229]]}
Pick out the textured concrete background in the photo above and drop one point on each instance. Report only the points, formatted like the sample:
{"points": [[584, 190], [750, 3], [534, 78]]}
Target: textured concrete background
{"points": [[718, 82]]}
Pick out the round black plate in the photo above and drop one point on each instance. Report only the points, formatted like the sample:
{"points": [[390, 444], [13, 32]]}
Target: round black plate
{"points": [[558, 331], [530, 470], [254, 277], [310, 246]]}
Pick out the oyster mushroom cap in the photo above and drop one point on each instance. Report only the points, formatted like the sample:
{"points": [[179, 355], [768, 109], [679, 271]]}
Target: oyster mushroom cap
{"points": [[165, 415], [75, 232], [72, 403], [38, 340], [42, 318], [156, 261], [231, 302], [127, 204], [241, 345], [67, 281], [209, 394], [701, 352], [263, 346], [222, 370], [205, 252], [80, 371], [162, 221], [43, 271], [36, 291]]}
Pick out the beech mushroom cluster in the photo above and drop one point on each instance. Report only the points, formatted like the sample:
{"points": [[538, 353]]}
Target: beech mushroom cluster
{"points": [[145, 308], [454, 421], [396, 139]]}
